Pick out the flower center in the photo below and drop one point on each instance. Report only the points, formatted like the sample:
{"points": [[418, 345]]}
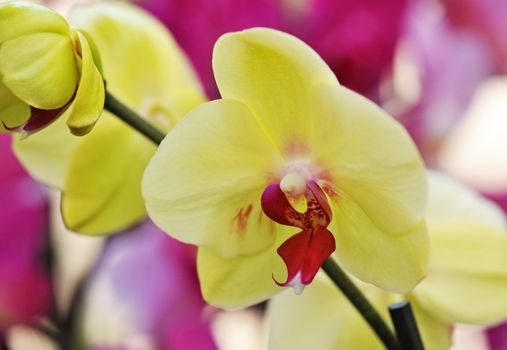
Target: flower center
{"points": [[293, 184]]}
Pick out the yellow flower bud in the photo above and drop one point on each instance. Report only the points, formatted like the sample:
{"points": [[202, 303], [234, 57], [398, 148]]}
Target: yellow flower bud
{"points": [[46, 71]]}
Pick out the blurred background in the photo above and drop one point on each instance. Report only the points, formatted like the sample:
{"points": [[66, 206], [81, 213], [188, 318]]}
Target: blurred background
{"points": [[437, 66]]}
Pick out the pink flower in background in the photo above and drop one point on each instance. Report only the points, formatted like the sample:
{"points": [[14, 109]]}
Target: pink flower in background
{"points": [[146, 291], [497, 337], [487, 18], [197, 24], [25, 287], [450, 64], [357, 39]]}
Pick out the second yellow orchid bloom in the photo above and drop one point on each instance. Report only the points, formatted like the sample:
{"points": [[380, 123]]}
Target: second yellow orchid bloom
{"points": [[288, 145], [100, 174], [46, 70]]}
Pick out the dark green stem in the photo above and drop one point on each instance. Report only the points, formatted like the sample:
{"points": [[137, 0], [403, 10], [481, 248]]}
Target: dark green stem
{"points": [[339, 277], [371, 316], [132, 119]]}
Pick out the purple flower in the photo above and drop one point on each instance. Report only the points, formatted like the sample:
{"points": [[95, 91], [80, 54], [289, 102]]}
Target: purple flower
{"points": [[25, 287], [486, 18], [450, 64], [146, 290]]}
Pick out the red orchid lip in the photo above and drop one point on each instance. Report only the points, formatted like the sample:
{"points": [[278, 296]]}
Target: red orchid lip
{"points": [[304, 252]]}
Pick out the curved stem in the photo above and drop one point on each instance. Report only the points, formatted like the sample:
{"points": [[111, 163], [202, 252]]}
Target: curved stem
{"points": [[132, 119], [371, 316], [336, 274]]}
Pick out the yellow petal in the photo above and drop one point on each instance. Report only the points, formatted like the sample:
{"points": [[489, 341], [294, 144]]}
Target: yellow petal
{"points": [[205, 182], [47, 154], [241, 281], [102, 192], [449, 200], [467, 280], [39, 62], [152, 71], [143, 65], [13, 111], [272, 73], [19, 18], [370, 157], [322, 318], [88, 103], [435, 334], [394, 263]]}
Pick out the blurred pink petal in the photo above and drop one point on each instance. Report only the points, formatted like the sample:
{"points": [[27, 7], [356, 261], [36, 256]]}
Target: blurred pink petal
{"points": [[197, 24], [497, 337], [487, 18], [356, 38], [152, 279], [25, 287], [451, 63]]}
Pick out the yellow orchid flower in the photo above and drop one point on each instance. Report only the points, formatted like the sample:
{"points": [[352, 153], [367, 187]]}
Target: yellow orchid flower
{"points": [[288, 145], [46, 71], [100, 174], [466, 283]]}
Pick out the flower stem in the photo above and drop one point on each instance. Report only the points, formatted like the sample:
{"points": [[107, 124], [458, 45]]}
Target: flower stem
{"points": [[132, 119], [336, 274], [371, 316]]}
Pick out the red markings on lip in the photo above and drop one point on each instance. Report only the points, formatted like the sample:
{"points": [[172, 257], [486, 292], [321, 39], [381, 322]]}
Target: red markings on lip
{"points": [[304, 252]]}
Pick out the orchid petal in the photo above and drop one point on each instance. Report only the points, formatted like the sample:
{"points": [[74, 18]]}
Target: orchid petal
{"points": [[450, 200], [467, 281], [40, 62], [47, 154], [369, 156], [204, 184], [21, 18], [153, 70], [322, 318], [101, 193], [271, 72], [394, 263], [13, 111], [240, 281], [435, 333], [88, 103]]}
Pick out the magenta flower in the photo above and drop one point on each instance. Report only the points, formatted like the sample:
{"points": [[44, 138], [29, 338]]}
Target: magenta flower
{"points": [[356, 38], [197, 24], [497, 337], [25, 288], [146, 289]]}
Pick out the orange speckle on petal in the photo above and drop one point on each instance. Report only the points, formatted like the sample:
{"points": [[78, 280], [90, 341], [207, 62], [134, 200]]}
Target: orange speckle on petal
{"points": [[240, 221]]}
